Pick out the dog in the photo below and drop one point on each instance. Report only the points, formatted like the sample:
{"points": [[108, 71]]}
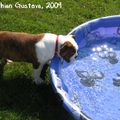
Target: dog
{"points": [[37, 49]]}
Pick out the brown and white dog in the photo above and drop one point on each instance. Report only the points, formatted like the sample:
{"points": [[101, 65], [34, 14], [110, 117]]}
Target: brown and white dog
{"points": [[36, 49]]}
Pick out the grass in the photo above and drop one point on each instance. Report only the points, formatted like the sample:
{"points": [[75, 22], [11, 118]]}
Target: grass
{"points": [[19, 98]]}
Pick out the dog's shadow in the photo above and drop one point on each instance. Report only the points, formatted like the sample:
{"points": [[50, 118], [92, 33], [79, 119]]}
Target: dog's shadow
{"points": [[20, 95]]}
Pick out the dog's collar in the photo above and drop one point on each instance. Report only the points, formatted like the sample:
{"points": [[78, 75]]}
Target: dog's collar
{"points": [[56, 45]]}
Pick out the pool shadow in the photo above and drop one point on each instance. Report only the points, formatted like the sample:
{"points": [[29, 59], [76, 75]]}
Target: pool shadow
{"points": [[22, 96]]}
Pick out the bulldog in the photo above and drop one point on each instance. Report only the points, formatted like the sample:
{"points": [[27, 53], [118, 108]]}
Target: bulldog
{"points": [[37, 49]]}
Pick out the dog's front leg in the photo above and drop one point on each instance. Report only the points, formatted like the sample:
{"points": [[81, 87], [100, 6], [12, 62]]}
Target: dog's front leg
{"points": [[37, 79], [44, 71]]}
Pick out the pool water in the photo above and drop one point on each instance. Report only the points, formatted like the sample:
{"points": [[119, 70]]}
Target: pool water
{"points": [[92, 81]]}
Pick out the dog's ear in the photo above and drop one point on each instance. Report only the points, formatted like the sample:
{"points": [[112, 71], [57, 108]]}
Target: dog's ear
{"points": [[65, 47], [67, 50]]}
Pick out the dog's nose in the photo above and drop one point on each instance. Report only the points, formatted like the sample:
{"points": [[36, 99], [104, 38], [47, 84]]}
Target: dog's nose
{"points": [[76, 56]]}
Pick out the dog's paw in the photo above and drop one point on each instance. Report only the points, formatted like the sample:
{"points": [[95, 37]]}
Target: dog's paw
{"points": [[38, 81]]}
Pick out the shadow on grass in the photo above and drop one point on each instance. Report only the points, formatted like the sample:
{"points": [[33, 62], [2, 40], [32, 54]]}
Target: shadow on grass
{"points": [[38, 102]]}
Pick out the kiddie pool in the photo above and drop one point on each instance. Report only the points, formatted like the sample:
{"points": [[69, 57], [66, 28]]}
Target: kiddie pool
{"points": [[89, 87]]}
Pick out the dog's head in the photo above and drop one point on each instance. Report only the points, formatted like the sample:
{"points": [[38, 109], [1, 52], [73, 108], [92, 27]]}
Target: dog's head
{"points": [[68, 49]]}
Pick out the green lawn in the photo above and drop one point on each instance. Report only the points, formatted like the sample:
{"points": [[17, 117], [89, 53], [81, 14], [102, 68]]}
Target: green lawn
{"points": [[20, 99]]}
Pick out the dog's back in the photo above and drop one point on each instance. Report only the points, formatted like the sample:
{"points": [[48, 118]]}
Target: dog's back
{"points": [[18, 46]]}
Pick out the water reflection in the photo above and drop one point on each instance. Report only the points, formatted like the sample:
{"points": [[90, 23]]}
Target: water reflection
{"points": [[105, 52]]}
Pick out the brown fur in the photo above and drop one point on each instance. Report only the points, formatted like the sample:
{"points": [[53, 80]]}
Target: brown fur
{"points": [[67, 50], [18, 46]]}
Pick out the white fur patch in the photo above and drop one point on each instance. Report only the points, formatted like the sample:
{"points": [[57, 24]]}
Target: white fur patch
{"points": [[45, 48]]}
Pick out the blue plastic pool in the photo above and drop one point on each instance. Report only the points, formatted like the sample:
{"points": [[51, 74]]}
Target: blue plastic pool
{"points": [[90, 85]]}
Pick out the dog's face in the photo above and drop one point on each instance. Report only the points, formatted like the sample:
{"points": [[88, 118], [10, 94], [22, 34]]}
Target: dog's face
{"points": [[68, 50]]}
